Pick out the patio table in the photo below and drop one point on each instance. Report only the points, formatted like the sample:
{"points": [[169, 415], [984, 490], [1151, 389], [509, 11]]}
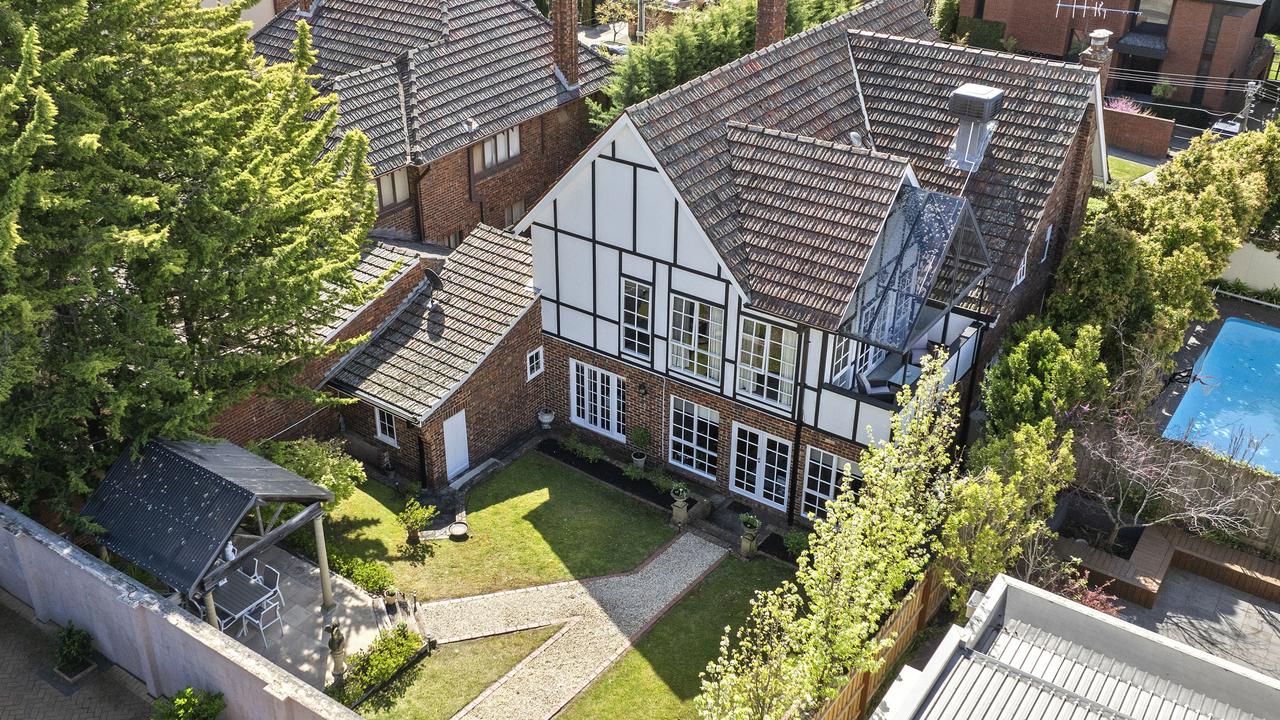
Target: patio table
{"points": [[237, 595]]}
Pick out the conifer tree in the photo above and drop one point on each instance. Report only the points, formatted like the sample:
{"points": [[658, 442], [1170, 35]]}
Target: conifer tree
{"points": [[182, 233]]}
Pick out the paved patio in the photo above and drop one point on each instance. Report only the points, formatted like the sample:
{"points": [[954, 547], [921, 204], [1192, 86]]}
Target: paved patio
{"points": [[1226, 622], [301, 646], [30, 690]]}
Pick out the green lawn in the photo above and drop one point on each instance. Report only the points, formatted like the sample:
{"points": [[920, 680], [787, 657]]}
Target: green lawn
{"points": [[1126, 171], [534, 522], [455, 675], [658, 678]]}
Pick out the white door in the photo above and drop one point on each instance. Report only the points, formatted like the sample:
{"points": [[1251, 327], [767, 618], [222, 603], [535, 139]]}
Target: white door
{"points": [[761, 466], [456, 456]]}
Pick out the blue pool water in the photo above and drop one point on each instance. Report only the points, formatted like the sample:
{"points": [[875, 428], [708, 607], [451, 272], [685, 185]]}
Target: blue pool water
{"points": [[1237, 389]]}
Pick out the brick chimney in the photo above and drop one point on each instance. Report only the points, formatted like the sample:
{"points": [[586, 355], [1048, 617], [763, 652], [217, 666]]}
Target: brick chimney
{"points": [[564, 28], [771, 22], [1098, 55]]}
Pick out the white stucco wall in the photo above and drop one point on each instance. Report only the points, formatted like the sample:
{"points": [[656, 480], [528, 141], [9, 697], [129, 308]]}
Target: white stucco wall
{"points": [[259, 14], [1257, 268]]}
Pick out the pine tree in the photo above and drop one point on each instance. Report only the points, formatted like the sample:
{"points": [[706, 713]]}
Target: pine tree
{"points": [[183, 234]]}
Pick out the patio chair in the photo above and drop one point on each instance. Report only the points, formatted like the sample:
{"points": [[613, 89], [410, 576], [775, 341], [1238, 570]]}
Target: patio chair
{"points": [[250, 571], [271, 578], [263, 617]]}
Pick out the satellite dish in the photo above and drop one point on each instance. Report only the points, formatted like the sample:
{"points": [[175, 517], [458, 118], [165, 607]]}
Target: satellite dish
{"points": [[436, 283]]}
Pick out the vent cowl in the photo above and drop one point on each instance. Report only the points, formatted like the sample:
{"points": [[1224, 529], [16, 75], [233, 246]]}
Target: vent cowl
{"points": [[978, 103]]}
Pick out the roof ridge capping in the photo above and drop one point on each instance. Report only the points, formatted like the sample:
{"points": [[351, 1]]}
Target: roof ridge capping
{"points": [[750, 127], [775, 47], [1028, 59]]}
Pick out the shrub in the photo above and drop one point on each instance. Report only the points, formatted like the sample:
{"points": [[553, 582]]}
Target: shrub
{"points": [[661, 480], [325, 463], [415, 516], [796, 542], [634, 472], [372, 576], [945, 15], [981, 33], [1163, 90], [74, 648], [376, 665], [640, 437], [584, 450], [190, 704]]}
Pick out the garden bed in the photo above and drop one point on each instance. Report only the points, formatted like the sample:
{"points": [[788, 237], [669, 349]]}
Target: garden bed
{"points": [[606, 471]]}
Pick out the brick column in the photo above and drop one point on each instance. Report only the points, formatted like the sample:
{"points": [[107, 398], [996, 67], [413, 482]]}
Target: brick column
{"points": [[771, 22], [1098, 55], [564, 23]]}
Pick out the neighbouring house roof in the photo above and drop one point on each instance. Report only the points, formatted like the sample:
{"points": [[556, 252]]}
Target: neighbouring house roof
{"points": [[423, 78], [172, 510], [440, 336], [1029, 653], [892, 89], [811, 212], [381, 260]]}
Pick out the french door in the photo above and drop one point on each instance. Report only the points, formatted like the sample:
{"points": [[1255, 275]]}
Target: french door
{"points": [[761, 466]]}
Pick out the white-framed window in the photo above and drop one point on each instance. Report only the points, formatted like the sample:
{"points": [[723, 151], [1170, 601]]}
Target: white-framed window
{"points": [[598, 399], [850, 358], [697, 338], [767, 361], [823, 477], [637, 318], [393, 188], [385, 427], [761, 466], [514, 212], [533, 363], [695, 437], [1048, 242], [1022, 269], [494, 151]]}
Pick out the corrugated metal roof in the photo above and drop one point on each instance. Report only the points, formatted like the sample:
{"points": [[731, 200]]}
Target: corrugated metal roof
{"points": [[173, 509]]}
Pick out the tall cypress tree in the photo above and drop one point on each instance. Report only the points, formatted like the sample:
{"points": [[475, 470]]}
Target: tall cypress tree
{"points": [[185, 226]]}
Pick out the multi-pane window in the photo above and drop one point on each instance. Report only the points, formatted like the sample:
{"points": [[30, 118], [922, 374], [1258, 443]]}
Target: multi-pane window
{"points": [[385, 426], [637, 324], [823, 479], [393, 188], [1022, 269], [767, 361], [761, 466], [599, 400], [533, 363], [697, 338], [514, 212], [850, 359], [695, 436], [495, 150]]}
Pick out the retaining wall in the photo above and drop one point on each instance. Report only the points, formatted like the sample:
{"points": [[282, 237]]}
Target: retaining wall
{"points": [[140, 631], [1145, 135]]}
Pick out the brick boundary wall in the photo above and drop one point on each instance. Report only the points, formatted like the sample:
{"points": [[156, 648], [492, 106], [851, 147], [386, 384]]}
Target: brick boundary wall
{"points": [[1146, 135], [143, 633]]}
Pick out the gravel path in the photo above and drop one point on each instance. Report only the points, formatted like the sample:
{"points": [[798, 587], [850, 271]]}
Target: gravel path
{"points": [[601, 616]]}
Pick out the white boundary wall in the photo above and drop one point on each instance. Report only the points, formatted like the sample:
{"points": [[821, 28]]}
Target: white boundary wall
{"points": [[1257, 268], [143, 633]]}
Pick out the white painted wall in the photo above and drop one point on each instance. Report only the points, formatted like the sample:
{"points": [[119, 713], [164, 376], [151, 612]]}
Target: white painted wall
{"points": [[1255, 267], [257, 15]]}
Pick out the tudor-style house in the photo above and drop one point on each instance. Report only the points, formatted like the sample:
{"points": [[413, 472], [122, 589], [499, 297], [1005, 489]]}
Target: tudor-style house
{"points": [[752, 264], [472, 108]]}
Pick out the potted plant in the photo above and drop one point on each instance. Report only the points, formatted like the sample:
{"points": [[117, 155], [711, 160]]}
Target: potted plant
{"points": [[73, 658], [680, 508], [639, 438], [389, 597], [750, 529], [546, 417], [414, 517]]}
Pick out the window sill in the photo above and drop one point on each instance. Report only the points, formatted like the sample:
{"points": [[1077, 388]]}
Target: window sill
{"points": [[756, 399], [598, 431], [394, 207], [710, 382], [685, 468], [494, 170], [387, 441]]}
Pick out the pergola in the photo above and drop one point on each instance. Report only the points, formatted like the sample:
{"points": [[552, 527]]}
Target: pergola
{"points": [[173, 509]]}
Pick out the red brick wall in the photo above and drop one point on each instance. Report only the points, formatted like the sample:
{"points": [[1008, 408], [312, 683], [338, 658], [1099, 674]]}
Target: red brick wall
{"points": [[281, 5], [451, 199], [652, 411], [1143, 134], [260, 416], [358, 419], [1039, 27], [402, 217], [771, 22]]}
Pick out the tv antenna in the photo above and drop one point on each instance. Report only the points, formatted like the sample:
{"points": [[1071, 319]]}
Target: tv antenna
{"points": [[1091, 10]]}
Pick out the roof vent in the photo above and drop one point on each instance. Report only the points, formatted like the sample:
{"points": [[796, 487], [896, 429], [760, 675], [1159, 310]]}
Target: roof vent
{"points": [[975, 107], [471, 125], [855, 139]]}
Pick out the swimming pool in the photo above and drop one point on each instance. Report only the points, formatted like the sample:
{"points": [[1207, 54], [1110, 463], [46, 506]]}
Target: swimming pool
{"points": [[1236, 390]]}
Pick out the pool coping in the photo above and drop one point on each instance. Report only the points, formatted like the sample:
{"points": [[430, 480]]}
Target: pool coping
{"points": [[1199, 338]]}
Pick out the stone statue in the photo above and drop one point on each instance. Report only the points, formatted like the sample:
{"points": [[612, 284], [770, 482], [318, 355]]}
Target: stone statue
{"points": [[337, 651]]}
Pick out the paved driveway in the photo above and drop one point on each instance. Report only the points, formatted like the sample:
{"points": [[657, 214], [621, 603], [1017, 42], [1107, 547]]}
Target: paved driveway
{"points": [[26, 663], [1229, 623]]}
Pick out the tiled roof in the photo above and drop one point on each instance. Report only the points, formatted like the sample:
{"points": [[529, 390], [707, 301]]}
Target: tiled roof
{"points": [[906, 85], [411, 73], [801, 85], [810, 214], [438, 338], [378, 259], [806, 85]]}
